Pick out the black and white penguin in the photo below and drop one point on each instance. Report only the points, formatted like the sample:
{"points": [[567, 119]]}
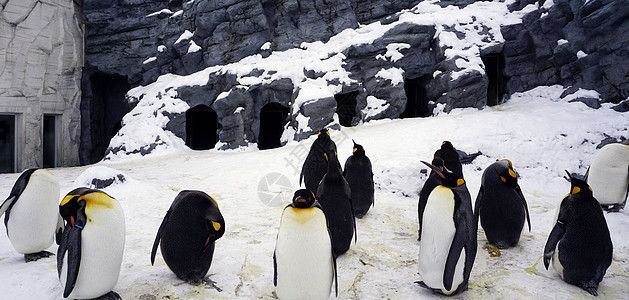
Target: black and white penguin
{"points": [[501, 206], [334, 195], [91, 247], [32, 213], [359, 176], [315, 164], [432, 182], [188, 234], [304, 263], [451, 158], [448, 246], [579, 244], [608, 175]]}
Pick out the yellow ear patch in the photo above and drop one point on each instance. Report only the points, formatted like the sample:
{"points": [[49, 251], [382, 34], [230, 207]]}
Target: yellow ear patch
{"points": [[97, 199], [460, 182], [590, 188], [326, 156], [575, 190], [503, 179], [355, 149], [512, 173], [313, 195], [217, 226]]}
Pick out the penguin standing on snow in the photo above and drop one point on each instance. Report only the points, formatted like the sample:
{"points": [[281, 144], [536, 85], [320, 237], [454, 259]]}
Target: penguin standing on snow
{"points": [[187, 235], [501, 206], [91, 247], [579, 244], [359, 176], [32, 214], [448, 246], [334, 196], [304, 263], [315, 164], [608, 175]]}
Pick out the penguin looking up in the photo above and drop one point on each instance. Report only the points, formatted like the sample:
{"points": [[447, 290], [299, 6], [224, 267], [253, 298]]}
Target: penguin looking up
{"points": [[304, 263], [579, 244], [501, 206], [315, 164], [359, 176], [433, 181], [450, 157], [334, 196], [91, 245], [187, 235], [608, 175], [31, 213], [448, 246]]}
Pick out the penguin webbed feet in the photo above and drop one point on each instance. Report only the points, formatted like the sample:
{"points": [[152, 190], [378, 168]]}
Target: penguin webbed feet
{"points": [[590, 287], [109, 296], [206, 282], [36, 256]]}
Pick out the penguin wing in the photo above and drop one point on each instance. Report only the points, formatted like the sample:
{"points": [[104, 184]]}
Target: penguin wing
{"points": [[158, 237], [479, 203], [274, 269], [59, 231], [458, 242], [6, 207], [555, 235], [526, 207]]}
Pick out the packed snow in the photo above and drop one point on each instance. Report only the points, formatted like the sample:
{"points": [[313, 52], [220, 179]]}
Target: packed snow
{"points": [[540, 133]]}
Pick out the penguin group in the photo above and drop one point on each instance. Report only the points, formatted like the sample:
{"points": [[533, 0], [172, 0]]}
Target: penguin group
{"points": [[319, 224]]}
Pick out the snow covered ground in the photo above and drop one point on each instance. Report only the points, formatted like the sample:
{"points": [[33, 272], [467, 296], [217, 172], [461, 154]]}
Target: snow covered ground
{"points": [[542, 135]]}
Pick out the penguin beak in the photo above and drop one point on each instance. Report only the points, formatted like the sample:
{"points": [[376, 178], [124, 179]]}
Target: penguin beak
{"points": [[434, 169], [302, 200]]}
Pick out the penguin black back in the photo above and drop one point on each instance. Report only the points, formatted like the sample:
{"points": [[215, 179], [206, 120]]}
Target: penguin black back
{"points": [[581, 237], [188, 234], [451, 158], [334, 195], [359, 176], [315, 165], [14, 195]]}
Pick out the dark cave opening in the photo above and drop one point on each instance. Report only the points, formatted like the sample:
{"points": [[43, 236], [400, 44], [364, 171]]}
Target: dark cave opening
{"points": [[346, 107], [273, 117], [494, 68], [416, 97], [7, 143], [50, 141], [201, 128]]}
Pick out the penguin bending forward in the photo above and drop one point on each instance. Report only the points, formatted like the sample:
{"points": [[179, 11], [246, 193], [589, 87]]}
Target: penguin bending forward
{"points": [[334, 195], [359, 176], [91, 247], [448, 246], [315, 164], [608, 175], [187, 235], [304, 263], [500, 205], [31, 213], [579, 244]]}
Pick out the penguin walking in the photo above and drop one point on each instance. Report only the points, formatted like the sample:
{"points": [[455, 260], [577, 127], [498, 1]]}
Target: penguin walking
{"points": [[334, 195], [501, 206], [579, 244], [188, 234], [92, 243], [31, 213], [608, 175], [448, 246], [359, 176], [304, 263], [315, 164]]}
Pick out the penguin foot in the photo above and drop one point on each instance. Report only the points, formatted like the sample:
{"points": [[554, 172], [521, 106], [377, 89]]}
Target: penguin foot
{"points": [[35, 256], [493, 250], [614, 208], [589, 287], [210, 284], [109, 296]]}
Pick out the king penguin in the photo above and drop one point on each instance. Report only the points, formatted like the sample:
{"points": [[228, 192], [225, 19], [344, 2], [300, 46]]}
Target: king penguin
{"points": [[31, 213], [431, 183], [448, 246], [334, 195], [501, 206], [608, 175], [451, 158], [579, 244], [315, 164], [91, 247], [188, 234], [359, 176], [304, 263]]}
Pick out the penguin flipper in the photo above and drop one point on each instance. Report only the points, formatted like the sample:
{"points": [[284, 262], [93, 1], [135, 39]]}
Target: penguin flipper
{"points": [[73, 248], [479, 203], [6, 205], [526, 207], [59, 231], [274, 270], [158, 237], [553, 238], [458, 242], [336, 278]]}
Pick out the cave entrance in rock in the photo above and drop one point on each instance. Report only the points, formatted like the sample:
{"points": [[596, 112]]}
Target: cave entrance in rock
{"points": [[273, 117], [201, 128], [7, 143], [346, 107], [494, 68], [49, 141], [107, 107], [416, 97]]}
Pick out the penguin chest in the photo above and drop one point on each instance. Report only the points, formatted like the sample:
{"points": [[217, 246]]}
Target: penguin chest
{"points": [[437, 231], [303, 255], [609, 174], [33, 217]]}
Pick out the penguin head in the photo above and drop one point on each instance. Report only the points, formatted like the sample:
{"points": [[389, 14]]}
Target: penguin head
{"points": [[448, 178], [323, 134], [507, 174], [303, 198], [75, 206], [215, 220], [578, 186], [447, 145], [358, 149]]}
